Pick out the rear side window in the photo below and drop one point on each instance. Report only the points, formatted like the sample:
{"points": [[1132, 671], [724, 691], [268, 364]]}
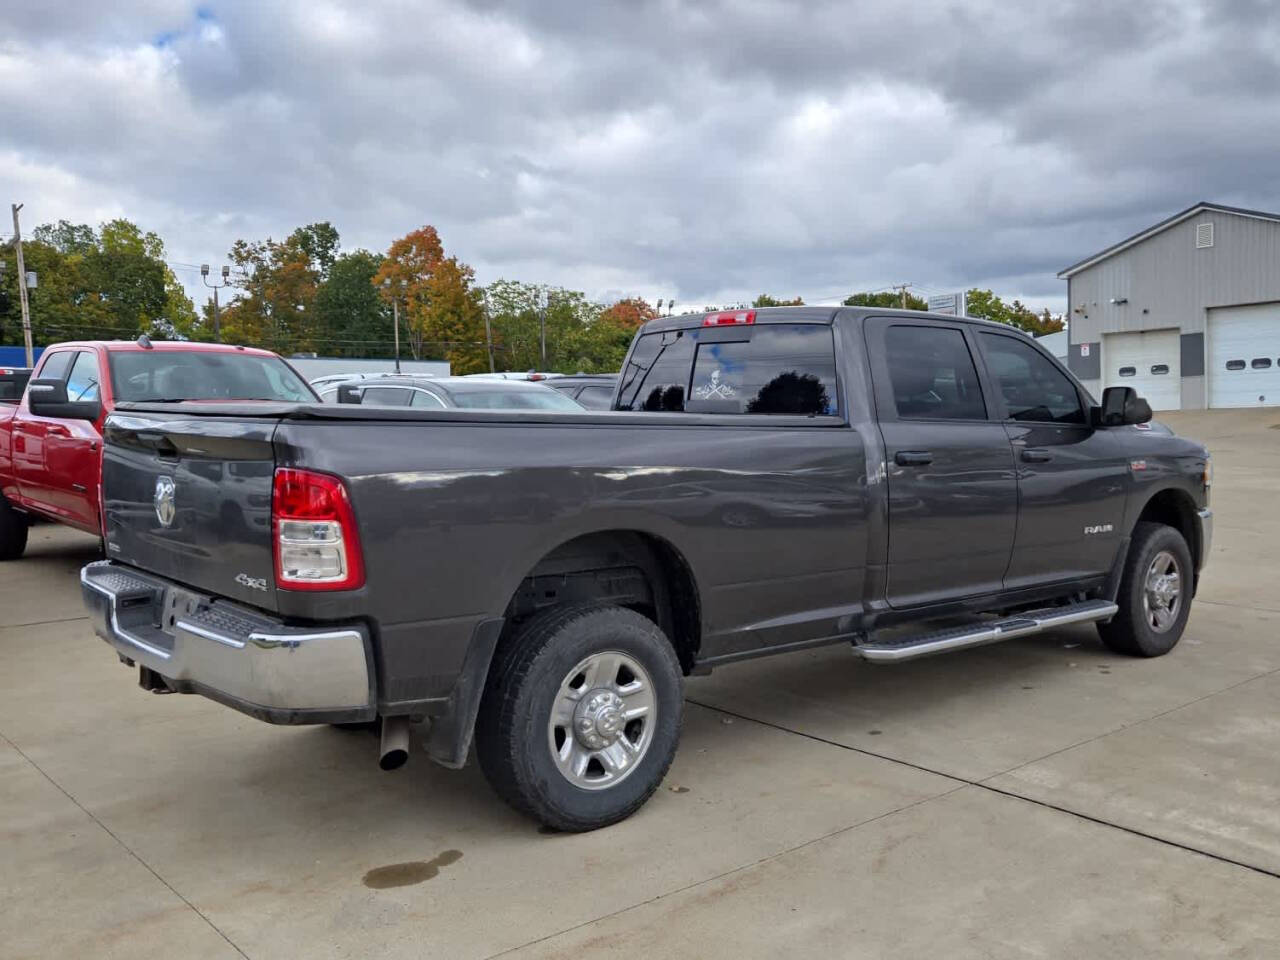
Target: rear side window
{"points": [[933, 374], [771, 369], [782, 369], [55, 365], [423, 399], [386, 396], [1034, 388], [596, 398], [82, 381], [657, 372]]}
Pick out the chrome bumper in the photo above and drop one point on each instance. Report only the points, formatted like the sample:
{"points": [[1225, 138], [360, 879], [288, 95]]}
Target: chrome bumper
{"points": [[240, 657], [1206, 535]]}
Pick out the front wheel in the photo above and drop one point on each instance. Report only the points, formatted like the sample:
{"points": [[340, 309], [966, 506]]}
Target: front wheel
{"points": [[581, 715], [13, 531], [1155, 594]]}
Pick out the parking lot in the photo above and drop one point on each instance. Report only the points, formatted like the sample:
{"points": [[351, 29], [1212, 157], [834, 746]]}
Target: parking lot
{"points": [[1037, 798]]}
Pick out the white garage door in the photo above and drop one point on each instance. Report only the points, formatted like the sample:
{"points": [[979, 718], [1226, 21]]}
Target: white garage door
{"points": [[1244, 356], [1149, 361]]}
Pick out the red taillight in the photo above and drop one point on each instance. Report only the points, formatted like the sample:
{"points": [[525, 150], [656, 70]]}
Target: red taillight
{"points": [[316, 543], [729, 316]]}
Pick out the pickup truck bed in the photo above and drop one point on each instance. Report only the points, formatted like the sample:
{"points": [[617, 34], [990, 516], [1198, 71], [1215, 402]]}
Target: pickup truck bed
{"points": [[503, 566]]}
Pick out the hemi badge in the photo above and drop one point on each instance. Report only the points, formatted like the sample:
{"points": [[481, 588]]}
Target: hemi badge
{"points": [[1136, 465]]}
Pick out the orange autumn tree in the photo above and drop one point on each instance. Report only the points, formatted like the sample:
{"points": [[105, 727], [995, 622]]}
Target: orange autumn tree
{"points": [[405, 275], [453, 320], [629, 313]]}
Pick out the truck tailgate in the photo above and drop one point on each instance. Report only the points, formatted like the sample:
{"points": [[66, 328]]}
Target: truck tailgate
{"points": [[189, 498]]}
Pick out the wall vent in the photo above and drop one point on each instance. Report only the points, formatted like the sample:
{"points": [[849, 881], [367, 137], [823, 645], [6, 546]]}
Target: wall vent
{"points": [[1204, 235]]}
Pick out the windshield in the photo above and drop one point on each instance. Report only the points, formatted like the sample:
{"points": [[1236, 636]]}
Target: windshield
{"points": [[499, 399], [204, 375]]}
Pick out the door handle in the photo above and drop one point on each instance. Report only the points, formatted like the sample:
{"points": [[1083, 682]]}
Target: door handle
{"points": [[55, 430], [913, 458], [1034, 455]]}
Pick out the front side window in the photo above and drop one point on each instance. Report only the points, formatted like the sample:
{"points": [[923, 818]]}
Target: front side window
{"points": [[933, 374], [82, 381], [1034, 388]]}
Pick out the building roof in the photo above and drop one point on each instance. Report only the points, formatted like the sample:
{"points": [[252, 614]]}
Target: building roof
{"points": [[1201, 207]]}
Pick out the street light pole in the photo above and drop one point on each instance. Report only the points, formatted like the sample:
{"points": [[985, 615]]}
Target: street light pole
{"points": [[215, 287]]}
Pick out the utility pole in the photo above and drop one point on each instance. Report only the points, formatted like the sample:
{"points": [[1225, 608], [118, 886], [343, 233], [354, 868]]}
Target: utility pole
{"points": [[215, 287], [488, 333], [902, 288], [542, 325], [395, 314], [22, 286]]}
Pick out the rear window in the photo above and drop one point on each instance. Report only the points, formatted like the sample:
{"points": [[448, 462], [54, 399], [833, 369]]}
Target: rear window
{"points": [[765, 369], [204, 375]]}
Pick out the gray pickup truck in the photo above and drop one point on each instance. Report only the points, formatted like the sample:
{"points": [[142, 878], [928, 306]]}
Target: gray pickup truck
{"points": [[540, 583]]}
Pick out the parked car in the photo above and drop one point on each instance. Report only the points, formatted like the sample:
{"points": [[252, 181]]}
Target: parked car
{"points": [[593, 390], [534, 375], [463, 393], [50, 440], [13, 381], [541, 582]]}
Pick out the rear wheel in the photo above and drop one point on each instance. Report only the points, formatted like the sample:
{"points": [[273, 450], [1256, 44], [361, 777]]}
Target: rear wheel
{"points": [[13, 531], [1155, 594], [581, 715]]}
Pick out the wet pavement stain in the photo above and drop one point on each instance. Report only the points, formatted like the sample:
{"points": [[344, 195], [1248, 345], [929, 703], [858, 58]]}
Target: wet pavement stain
{"points": [[406, 874]]}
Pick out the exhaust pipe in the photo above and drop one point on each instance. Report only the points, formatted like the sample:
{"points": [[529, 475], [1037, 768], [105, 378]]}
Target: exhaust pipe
{"points": [[395, 743]]}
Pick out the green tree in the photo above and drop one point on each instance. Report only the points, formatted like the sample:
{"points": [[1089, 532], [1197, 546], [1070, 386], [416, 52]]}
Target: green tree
{"points": [[985, 304], [107, 283], [885, 299], [350, 318], [764, 300]]}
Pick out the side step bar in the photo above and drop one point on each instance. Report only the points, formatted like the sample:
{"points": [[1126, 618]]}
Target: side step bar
{"points": [[978, 634]]}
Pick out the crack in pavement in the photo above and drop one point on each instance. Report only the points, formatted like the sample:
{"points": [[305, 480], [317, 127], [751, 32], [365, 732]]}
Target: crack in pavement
{"points": [[984, 784], [129, 850]]}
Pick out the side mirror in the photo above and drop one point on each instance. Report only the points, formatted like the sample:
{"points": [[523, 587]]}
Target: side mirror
{"points": [[348, 393], [1121, 406], [48, 398]]}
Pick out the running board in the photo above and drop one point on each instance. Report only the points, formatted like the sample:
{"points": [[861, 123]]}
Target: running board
{"points": [[959, 638]]}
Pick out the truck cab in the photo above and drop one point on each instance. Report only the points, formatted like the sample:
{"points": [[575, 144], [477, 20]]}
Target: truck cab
{"points": [[51, 438]]}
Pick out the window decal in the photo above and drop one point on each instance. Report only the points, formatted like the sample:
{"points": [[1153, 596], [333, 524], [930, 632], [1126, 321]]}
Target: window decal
{"points": [[714, 388]]}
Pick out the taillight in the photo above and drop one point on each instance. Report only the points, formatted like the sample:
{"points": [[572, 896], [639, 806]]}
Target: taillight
{"points": [[316, 543], [729, 316]]}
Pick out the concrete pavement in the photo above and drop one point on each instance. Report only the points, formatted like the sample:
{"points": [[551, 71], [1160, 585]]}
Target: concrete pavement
{"points": [[1037, 798]]}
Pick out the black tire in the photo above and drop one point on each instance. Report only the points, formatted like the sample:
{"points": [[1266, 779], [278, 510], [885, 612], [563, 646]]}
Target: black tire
{"points": [[1132, 631], [13, 531], [514, 725]]}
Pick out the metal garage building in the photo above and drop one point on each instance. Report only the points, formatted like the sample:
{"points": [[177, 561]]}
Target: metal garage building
{"points": [[1187, 311]]}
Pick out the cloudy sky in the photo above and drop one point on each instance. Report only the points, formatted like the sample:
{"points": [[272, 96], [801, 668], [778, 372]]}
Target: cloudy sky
{"points": [[690, 148]]}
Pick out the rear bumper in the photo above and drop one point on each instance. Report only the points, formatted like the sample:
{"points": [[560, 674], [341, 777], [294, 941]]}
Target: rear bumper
{"points": [[245, 659], [1206, 535]]}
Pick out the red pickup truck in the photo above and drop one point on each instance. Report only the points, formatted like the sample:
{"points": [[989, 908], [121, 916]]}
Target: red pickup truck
{"points": [[51, 437]]}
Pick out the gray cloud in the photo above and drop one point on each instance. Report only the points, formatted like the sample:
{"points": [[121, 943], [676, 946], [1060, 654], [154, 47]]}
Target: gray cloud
{"points": [[707, 150]]}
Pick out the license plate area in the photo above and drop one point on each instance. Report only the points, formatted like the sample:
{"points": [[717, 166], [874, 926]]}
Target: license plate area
{"points": [[178, 603]]}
